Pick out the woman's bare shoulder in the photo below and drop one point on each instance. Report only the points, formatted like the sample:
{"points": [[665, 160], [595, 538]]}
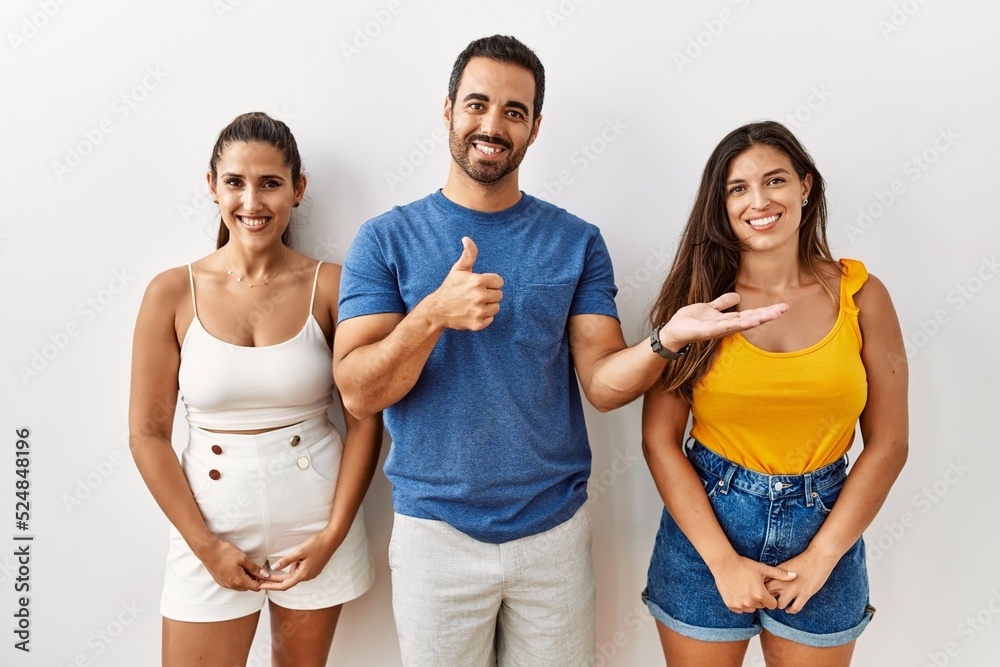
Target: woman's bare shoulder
{"points": [[167, 287]]}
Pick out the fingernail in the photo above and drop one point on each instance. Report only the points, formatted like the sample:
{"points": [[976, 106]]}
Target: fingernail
{"points": [[263, 572]]}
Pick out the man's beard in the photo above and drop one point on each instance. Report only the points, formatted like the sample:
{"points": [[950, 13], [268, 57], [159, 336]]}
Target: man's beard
{"points": [[484, 171]]}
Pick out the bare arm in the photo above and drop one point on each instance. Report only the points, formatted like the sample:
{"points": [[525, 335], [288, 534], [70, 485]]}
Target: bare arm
{"points": [[377, 359], [153, 398], [357, 467], [613, 374], [741, 581], [884, 429], [362, 444]]}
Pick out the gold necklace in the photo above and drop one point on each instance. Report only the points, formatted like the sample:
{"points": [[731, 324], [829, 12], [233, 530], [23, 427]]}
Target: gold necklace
{"points": [[240, 280]]}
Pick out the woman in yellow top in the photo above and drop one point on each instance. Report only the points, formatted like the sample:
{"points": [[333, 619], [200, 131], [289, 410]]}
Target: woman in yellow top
{"points": [[761, 531]]}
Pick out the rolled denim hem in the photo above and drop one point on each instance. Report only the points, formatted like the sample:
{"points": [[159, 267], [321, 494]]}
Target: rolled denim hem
{"points": [[779, 629], [696, 632]]}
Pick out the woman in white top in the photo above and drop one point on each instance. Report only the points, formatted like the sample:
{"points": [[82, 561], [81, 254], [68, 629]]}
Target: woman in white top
{"points": [[265, 502]]}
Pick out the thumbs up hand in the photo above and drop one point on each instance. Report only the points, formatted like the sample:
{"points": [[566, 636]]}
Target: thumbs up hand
{"points": [[467, 300], [468, 257]]}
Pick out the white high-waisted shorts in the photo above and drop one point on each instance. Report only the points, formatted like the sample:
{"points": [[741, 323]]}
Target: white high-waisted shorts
{"points": [[266, 494]]}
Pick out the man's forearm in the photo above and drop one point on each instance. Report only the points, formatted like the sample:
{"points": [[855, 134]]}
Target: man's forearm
{"points": [[624, 375], [372, 377]]}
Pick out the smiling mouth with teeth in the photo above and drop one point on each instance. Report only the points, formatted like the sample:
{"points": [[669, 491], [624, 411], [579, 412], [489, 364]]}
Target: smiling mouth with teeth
{"points": [[763, 222], [253, 222], [488, 150]]}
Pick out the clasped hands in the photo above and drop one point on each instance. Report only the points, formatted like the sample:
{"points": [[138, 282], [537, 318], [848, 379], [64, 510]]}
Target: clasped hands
{"points": [[746, 585], [232, 568]]}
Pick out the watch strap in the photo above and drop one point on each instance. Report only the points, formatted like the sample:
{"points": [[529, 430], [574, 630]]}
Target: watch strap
{"points": [[669, 355]]}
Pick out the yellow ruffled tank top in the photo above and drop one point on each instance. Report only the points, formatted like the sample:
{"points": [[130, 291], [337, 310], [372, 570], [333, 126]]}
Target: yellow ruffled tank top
{"points": [[786, 412]]}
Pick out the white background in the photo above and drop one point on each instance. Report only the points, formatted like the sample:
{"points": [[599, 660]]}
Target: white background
{"points": [[869, 87]]}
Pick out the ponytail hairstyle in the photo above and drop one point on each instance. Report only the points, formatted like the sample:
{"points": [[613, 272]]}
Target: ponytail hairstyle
{"points": [[708, 255], [258, 127]]}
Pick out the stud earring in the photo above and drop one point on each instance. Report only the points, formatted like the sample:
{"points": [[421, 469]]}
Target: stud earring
{"points": [[805, 201]]}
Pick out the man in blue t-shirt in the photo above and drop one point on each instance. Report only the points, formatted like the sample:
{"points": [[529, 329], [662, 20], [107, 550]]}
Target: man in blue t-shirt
{"points": [[468, 316]]}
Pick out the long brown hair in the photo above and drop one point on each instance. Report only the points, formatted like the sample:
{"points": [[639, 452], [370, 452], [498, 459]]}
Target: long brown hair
{"points": [[257, 126], [708, 255]]}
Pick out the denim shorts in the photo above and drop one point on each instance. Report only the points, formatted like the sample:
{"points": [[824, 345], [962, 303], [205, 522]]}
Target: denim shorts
{"points": [[769, 519]]}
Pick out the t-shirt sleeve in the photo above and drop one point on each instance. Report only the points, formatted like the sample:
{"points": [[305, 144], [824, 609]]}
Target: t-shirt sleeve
{"points": [[368, 284], [595, 293]]}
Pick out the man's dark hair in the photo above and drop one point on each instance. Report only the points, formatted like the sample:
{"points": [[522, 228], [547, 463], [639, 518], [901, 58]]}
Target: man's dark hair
{"points": [[503, 49]]}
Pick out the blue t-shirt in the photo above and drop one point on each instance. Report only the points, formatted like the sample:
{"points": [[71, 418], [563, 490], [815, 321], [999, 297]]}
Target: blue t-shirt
{"points": [[491, 439]]}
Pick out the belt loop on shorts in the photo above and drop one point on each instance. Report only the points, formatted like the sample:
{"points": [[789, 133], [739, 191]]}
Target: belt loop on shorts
{"points": [[727, 479], [808, 478]]}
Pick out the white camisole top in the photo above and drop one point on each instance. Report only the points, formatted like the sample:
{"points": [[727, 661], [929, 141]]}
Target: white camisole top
{"points": [[234, 387]]}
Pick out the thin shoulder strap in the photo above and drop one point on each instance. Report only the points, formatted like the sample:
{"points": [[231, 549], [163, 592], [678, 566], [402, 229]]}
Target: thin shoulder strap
{"points": [[312, 299], [194, 303]]}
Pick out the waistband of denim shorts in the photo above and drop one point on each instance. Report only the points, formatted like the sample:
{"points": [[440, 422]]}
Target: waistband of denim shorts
{"points": [[763, 484], [243, 445]]}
